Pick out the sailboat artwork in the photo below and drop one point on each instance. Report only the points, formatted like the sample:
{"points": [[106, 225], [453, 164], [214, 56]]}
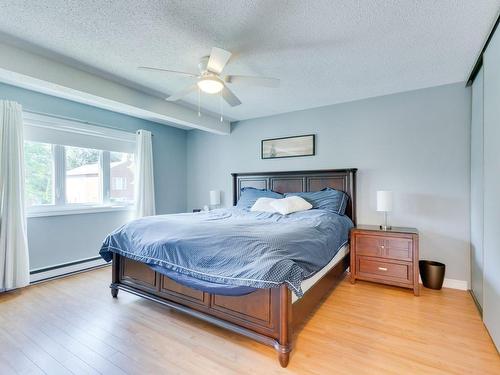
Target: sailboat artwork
{"points": [[287, 147]]}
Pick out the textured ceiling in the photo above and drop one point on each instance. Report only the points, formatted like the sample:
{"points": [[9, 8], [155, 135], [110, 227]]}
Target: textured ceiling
{"points": [[324, 52]]}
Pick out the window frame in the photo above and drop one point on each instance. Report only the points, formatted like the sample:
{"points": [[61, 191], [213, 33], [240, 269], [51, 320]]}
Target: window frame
{"points": [[60, 206]]}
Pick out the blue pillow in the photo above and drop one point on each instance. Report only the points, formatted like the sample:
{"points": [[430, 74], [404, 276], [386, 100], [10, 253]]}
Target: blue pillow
{"points": [[327, 199], [249, 195]]}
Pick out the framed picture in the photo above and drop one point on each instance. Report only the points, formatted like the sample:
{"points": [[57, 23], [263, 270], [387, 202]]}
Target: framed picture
{"points": [[288, 147]]}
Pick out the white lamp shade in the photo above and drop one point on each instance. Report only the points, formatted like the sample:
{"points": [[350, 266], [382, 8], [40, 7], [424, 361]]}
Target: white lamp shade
{"points": [[214, 197], [384, 200]]}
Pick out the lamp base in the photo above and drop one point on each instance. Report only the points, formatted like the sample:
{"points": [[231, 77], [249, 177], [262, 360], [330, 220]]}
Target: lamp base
{"points": [[385, 227]]}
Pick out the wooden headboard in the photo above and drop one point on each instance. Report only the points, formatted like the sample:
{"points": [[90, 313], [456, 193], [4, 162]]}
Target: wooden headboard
{"points": [[301, 181]]}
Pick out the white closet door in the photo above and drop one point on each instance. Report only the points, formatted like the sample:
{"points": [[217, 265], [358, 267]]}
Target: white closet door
{"points": [[491, 242], [476, 193]]}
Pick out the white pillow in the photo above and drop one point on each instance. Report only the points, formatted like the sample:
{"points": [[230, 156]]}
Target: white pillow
{"points": [[263, 205], [290, 204]]}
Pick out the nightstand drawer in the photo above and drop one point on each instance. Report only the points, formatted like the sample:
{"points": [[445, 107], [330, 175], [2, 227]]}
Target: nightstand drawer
{"points": [[384, 247], [372, 246], [376, 268], [399, 248]]}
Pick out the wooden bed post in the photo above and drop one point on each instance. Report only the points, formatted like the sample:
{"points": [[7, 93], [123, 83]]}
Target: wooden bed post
{"points": [[284, 346], [115, 276]]}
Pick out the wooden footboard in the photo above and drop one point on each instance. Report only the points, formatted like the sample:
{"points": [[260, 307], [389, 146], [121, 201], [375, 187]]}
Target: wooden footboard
{"points": [[266, 315]]}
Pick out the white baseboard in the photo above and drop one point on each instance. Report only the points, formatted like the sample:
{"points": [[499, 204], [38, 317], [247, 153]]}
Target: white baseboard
{"points": [[455, 284], [452, 284], [64, 269]]}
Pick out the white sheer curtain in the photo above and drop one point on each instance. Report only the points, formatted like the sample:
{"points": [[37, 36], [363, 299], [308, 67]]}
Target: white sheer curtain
{"points": [[14, 258], [145, 184]]}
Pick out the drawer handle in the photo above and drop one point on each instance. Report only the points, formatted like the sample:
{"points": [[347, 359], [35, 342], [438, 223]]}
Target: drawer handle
{"points": [[382, 269], [382, 246]]}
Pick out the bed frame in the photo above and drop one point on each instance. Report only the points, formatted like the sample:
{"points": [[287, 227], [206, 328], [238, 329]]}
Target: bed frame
{"points": [[266, 315]]}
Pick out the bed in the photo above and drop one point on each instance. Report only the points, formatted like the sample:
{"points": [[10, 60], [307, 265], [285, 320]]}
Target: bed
{"points": [[269, 315]]}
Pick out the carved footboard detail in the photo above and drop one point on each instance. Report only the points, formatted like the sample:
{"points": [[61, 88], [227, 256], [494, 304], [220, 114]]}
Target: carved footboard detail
{"points": [[265, 315], [258, 311]]}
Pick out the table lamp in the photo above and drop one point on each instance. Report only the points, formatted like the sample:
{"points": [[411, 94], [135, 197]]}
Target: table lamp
{"points": [[214, 198], [384, 204]]}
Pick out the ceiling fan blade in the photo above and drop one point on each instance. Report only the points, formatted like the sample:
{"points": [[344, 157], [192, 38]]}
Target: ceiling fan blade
{"points": [[180, 94], [218, 60], [229, 97], [253, 81], [166, 70]]}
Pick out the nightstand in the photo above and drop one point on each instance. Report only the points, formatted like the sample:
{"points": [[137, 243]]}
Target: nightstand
{"points": [[385, 256]]}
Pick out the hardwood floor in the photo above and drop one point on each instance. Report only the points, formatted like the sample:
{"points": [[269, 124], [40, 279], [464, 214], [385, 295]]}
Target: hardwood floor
{"points": [[72, 325]]}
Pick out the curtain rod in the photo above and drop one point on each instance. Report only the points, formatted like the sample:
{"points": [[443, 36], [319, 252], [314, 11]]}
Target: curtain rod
{"points": [[80, 121], [479, 61]]}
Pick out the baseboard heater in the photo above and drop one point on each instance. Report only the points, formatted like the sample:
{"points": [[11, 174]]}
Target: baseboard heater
{"points": [[65, 269]]}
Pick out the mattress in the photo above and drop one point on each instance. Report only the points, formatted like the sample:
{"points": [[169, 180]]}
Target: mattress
{"points": [[309, 283]]}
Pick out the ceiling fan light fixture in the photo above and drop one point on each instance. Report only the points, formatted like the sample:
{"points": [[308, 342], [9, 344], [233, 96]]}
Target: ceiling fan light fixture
{"points": [[210, 85], [210, 80]]}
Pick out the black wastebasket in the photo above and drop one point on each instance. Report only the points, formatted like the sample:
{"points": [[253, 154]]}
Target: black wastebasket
{"points": [[432, 273]]}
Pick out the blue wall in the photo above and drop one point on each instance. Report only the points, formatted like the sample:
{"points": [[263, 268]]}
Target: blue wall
{"points": [[415, 143], [59, 239]]}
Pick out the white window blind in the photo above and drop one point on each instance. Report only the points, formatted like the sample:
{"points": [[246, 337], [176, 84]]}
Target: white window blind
{"points": [[55, 130]]}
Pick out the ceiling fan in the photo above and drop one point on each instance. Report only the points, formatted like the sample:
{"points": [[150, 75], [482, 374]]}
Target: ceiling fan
{"points": [[210, 80]]}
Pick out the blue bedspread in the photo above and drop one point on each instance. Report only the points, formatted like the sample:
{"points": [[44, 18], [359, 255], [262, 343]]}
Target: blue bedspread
{"points": [[233, 246]]}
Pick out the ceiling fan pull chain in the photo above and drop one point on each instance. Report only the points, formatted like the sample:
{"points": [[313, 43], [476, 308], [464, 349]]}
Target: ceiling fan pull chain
{"points": [[199, 104], [221, 108]]}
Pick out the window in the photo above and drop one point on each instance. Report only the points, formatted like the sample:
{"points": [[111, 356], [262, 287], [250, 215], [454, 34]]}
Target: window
{"points": [[119, 184], [122, 177], [39, 171], [83, 175], [72, 167]]}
